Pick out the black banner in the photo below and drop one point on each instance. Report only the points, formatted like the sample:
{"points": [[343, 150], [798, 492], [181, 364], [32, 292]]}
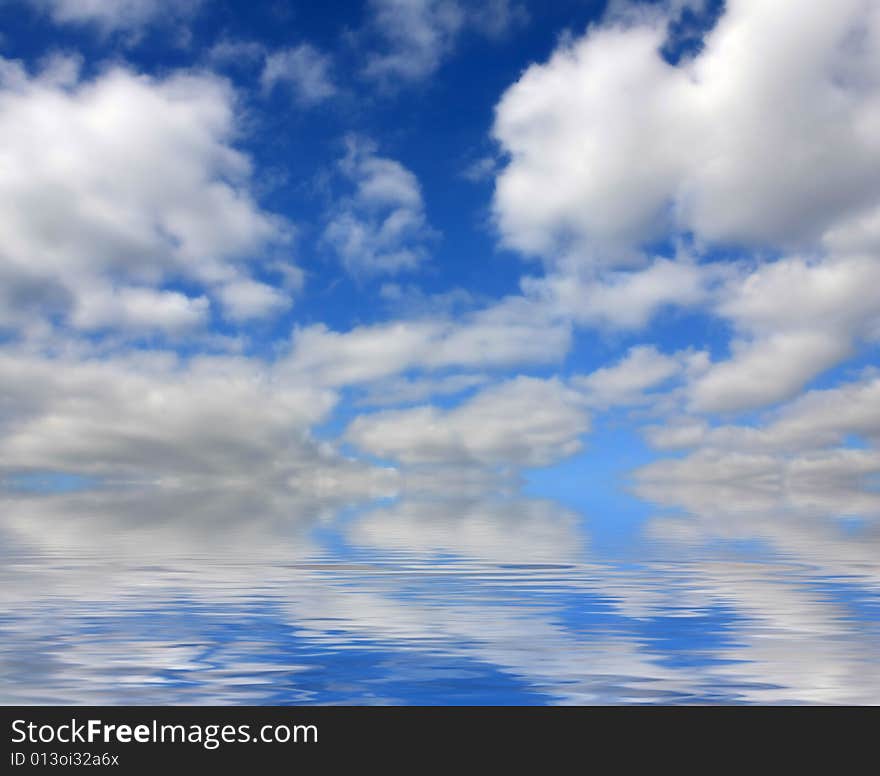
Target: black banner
{"points": [[251, 739]]}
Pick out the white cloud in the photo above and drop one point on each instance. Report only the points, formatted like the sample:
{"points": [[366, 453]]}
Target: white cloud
{"points": [[836, 294], [409, 300], [624, 299], [522, 422], [794, 319], [381, 227], [118, 185], [248, 299], [235, 50], [405, 390], [828, 417], [767, 370], [642, 368], [416, 36], [113, 15], [496, 18], [363, 354], [304, 69], [481, 169], [511, 333], [804, 444], [611, 146], [572, 128], [798, 457], [816, 419], [676, 433], [154, 421], [138, 308]]}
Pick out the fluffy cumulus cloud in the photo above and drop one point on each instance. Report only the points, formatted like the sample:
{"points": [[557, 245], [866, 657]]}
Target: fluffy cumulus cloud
{"points": [[611, 145], [639, 181], [524, 421], [118, 187], [381, 227]]}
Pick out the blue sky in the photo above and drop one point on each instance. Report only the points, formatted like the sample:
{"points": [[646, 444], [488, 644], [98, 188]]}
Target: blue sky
{"points": [[362, 249]]}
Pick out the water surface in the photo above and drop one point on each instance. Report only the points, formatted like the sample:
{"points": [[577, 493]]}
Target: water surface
{"points": [[232, 598]]}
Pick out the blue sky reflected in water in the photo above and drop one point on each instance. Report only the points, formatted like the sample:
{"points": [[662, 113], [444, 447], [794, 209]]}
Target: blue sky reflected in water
{"points": [[114, 598]]}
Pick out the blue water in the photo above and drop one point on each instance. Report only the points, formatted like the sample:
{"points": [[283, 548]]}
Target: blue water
{"points": [[138, 598]]}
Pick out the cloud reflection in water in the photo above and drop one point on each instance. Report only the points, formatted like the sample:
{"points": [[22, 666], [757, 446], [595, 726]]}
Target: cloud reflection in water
{"points": [[260, 596]]}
